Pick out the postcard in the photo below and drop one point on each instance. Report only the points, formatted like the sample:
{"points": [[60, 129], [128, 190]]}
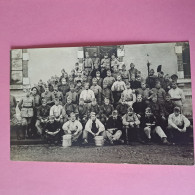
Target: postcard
{"points": [[102, 104]]}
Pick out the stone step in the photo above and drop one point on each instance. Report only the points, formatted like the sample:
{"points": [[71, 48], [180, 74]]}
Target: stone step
{"points": [[27, 141]]}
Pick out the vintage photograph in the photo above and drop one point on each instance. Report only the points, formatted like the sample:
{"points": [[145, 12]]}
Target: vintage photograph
{"points": [[102, 104]]}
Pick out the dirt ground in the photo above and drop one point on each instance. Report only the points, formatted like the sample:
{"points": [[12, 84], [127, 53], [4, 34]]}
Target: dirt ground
{"points": [[137, 154]]}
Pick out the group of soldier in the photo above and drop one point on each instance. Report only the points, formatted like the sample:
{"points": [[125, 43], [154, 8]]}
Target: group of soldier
{"points": [[103, 98]]}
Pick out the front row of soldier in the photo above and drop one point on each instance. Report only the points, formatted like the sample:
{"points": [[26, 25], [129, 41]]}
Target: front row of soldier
{"points": [[126, 124]]}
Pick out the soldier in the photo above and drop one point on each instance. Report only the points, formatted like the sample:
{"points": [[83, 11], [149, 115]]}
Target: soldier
{"points": [[177, 95], [151, 79], [125, 74], [88, 63], [97, 90], [47, 95], [96, 61], [114, 128], [105, 61], [87, 94], [109, 79], [52, 130], [94, 128], [114, 61], [117, 88], [73, 127], [73, 95], [42, 117], [26, 106]]}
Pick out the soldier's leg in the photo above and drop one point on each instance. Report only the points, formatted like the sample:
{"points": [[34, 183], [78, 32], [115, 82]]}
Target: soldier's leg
{"points": [[39, 127], [147, 131], [109, 135], [76, 137], [117, 135]]}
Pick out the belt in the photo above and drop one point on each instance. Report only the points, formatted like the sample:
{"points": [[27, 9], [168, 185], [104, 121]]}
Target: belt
{"points": [[87, 101], [176, 99]]}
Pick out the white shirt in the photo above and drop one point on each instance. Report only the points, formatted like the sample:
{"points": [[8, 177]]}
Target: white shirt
{"points": [[175, 121], [56, 110], [118, 86], [177, 93], [87, 95], [72, 126], [99, 125]]}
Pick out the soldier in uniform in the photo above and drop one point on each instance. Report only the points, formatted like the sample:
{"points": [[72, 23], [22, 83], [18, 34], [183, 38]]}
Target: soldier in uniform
{"points": [[88, 63], [26, 106], [47, 95], [105, 61], [124, 74], [42, 117]]}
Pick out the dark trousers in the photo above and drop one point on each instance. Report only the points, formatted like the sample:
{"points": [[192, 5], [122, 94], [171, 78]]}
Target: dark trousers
{"points": [[176, 136]]}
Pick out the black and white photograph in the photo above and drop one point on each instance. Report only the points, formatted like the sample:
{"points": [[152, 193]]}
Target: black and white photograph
{"points": [[102, 104]]}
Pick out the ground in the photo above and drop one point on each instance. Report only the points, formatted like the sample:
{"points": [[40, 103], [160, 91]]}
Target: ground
{"points": [[136, 154]]}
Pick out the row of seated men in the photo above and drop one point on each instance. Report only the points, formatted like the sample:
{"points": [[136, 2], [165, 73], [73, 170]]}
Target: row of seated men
{"points": [[139, 121]]}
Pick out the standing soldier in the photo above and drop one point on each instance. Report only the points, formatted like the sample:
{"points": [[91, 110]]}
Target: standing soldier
{"points": [[26, 106], [88, 63]]}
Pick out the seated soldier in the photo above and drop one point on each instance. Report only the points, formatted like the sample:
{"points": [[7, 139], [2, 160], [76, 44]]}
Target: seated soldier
{"points": [[178, 127], [132, 72], [115, 72], [40, 87], [73, 127], [139, 106], [94, 107], [57, 111], [145, 92], [52, 130], [166, 85], [83, 112], [114, 61], [64, 86], [122, 107], [159, 92], [151, 127], [71, 80], [114, 128], [79, 88], [87, 94], [109, 79], [128, 95], [69, 107], [78, 77], [131, 125], [151, 79], [73, 95], [117, 88], [97, 90], [104, 71], [157, 110], [42, 117], [107, 108], [177, 95], [107, 93], [57, 94], [93, 128], [99, 79], [137, 83], [47, 95], [168, 105]]}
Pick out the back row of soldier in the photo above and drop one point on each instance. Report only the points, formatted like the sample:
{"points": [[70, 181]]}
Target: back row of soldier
{"points": [[103, 98]]}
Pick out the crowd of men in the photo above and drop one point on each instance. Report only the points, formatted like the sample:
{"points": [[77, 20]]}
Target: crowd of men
{"points": [[102, 97]]}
